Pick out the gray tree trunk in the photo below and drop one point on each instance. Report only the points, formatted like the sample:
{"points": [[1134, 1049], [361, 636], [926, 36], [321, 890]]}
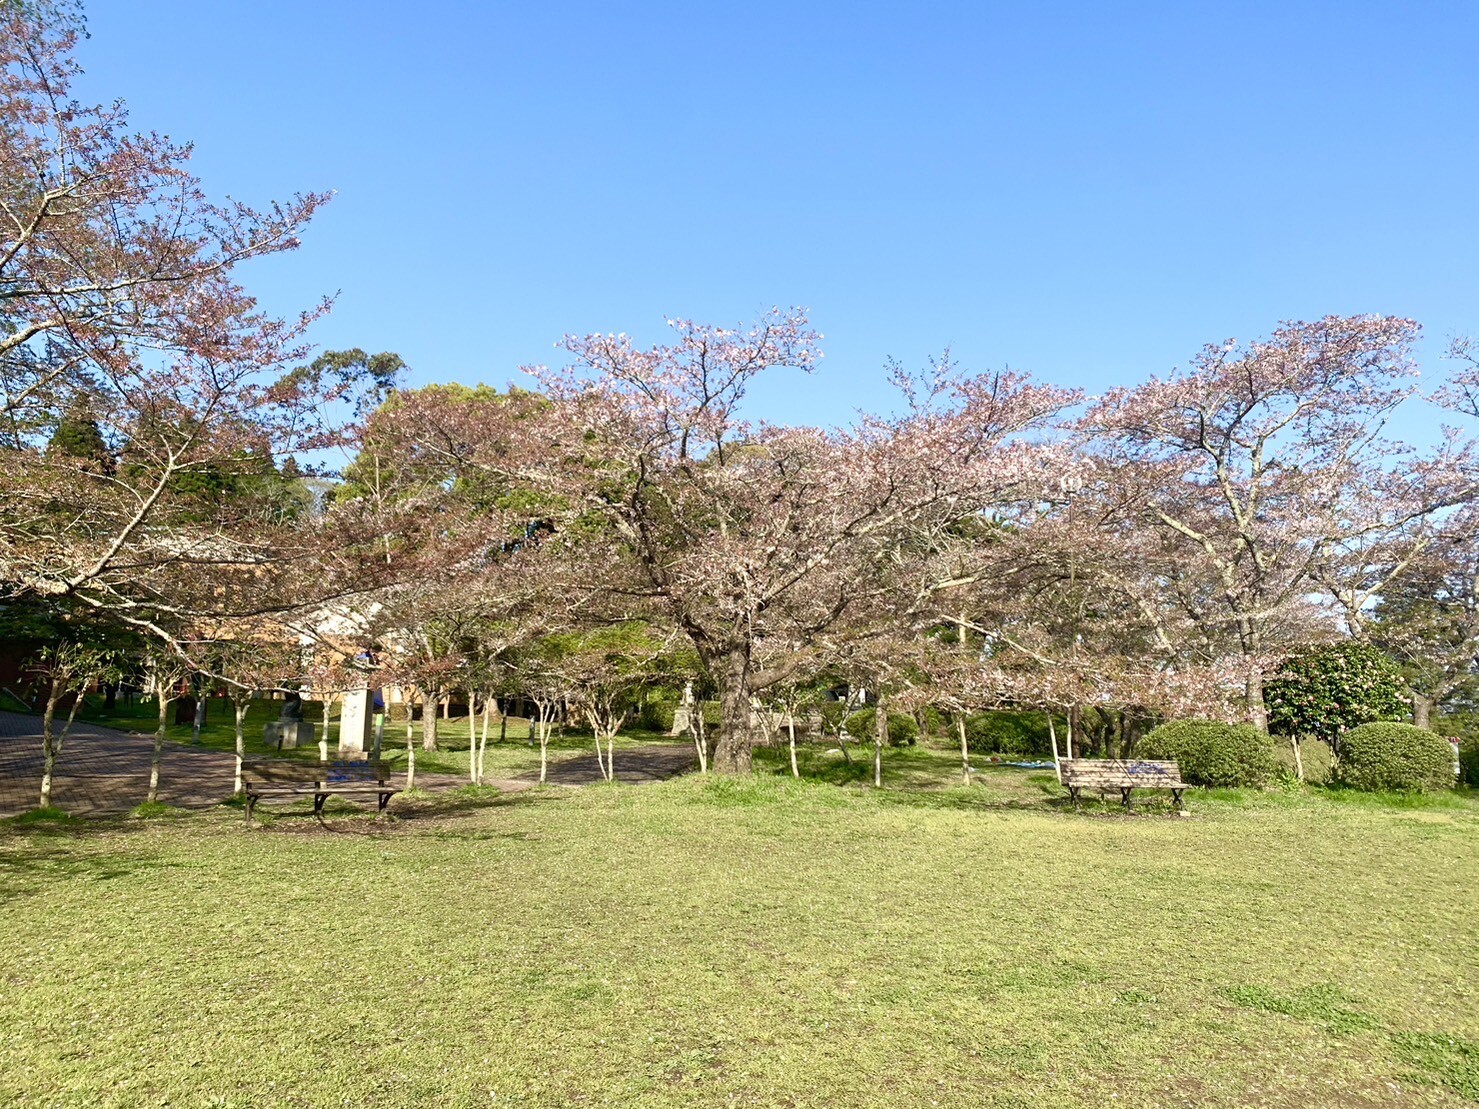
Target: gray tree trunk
{"points": [[965, 747], [158, 756], [736, 738], [429, 701], [50, 747], [1422, 710], [880, 735], [241, 711]]}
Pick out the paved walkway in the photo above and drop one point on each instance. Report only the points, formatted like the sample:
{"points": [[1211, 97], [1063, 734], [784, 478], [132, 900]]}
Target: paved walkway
{"points": [[102, 770]]}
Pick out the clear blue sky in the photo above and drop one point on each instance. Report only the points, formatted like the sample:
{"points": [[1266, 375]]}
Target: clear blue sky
{"points": [[1088, 191]]}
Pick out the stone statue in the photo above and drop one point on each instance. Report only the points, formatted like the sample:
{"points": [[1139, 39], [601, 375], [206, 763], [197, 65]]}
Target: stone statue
{"points": [[289, 729]]}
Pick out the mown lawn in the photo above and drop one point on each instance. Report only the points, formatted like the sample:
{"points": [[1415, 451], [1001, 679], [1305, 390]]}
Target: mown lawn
{"points": [[757, 943]]}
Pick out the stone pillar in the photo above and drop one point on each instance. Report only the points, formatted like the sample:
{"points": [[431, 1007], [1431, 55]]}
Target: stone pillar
{"points": [[356, 724]]}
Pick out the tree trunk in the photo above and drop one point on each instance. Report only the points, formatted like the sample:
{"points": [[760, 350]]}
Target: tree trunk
{"points": [[1422, 710], [429, 701], [543, 743], [323, 741], [1257, 708], [700, 741], [410, 757], [472, 740], [600, 761], [483, 742], [965, 747], [1053, 739], [1298, 758], [791, 730], [736, 729], [48, 742], [841, 732], [880, 734], [154, 761], [110, 696], [241, 711]]}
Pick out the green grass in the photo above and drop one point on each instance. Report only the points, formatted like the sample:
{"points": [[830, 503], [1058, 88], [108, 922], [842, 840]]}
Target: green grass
{"points": [[756, 942]]}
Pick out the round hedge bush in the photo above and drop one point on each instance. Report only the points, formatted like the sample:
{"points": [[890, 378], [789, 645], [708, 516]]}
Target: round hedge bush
{"points": [[1008, 733], [1211, 753], [1394, 756], [902, 729]]}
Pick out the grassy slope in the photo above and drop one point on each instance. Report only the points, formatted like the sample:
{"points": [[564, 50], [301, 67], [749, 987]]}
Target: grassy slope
{"points": [[764, 943]]}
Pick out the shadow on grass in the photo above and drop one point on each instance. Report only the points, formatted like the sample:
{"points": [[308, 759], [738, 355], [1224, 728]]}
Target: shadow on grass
{"points": [[38, 851], [414, 810]]}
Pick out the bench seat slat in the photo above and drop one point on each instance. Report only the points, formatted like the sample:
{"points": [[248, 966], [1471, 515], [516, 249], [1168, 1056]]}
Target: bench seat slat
{"points": [[269, 791]]}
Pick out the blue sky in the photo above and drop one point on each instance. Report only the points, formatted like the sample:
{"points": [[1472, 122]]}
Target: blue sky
{"points": [[1086, 191]]}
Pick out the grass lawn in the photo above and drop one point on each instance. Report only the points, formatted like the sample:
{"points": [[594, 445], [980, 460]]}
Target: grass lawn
{"points": [[764, 942]]}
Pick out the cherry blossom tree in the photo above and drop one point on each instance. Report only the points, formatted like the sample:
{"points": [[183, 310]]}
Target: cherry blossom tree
{"points": [[1246, 462], [1428, 617], [740, 533], [123, 318]]}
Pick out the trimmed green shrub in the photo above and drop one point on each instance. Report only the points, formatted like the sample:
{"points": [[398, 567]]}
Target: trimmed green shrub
{"points": [[1211, 753], [658, 708], [1008, 733], [1394, 756], [902, 730]]}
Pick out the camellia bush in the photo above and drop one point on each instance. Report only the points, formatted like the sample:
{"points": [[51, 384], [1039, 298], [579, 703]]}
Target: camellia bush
{"points": [[1211, 753], [1325, 691], [1394, 756]]}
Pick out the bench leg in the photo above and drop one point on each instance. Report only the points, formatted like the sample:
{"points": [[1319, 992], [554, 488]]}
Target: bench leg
{"points": [[1180, 806], [384, 800], [318, 803], [1125, 795], [1073, 795], [251, 801]]}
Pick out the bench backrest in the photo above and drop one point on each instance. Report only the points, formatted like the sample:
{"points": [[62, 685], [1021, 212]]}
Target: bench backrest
{"points": [[342, 772], [1119, 772]]}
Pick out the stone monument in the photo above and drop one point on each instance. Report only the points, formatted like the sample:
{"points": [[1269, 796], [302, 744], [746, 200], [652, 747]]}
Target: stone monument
{"points": [[289, 729], [683, 713], [356, 724]]}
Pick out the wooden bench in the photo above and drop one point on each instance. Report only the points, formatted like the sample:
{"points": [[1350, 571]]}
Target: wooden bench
{"points": [[320, 780], [1124, 775]]}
